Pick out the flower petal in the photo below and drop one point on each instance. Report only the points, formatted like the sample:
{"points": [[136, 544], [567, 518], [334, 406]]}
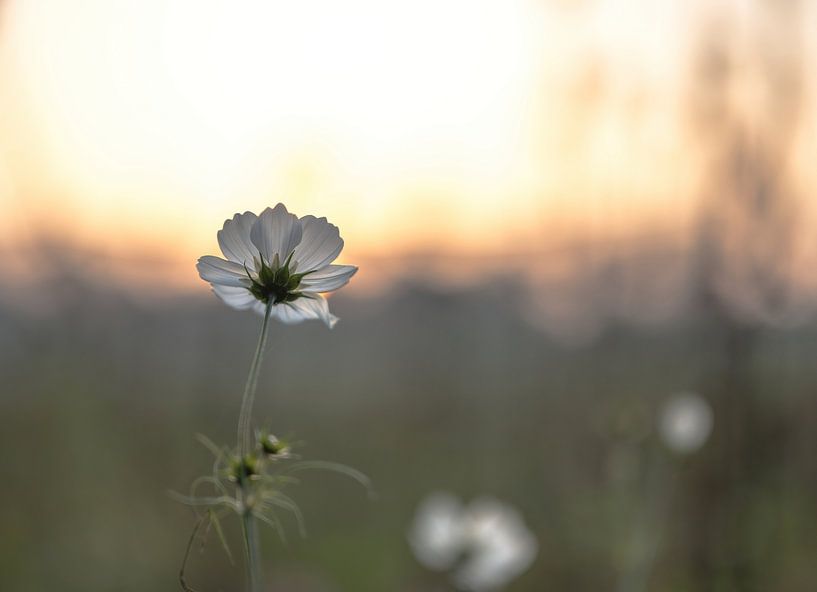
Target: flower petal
{"points": [[320, 245], [276, 232], [218, 271], [329, 278], [304, 309], [288, 314], [318, 306], [234, 239], [239, 298]]}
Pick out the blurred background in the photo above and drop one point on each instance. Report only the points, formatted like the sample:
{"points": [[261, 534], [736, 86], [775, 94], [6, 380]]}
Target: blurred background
{"points": [[565, 213]]}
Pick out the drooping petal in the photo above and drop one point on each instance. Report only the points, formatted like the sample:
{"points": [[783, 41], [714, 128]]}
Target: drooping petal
{"points": [[234, 240], [239, 298], [318, 306], [276, 232], [329, 278], [320, 245], [218, 271], [304, 309]]}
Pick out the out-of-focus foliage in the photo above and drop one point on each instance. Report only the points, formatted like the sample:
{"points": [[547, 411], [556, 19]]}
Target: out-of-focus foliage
{"points": [[422, 389]]}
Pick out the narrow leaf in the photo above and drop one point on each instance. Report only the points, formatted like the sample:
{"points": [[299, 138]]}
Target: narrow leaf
{"points": [[217, 525]]}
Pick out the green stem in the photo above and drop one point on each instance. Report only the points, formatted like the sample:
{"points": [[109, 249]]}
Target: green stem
{"points": [[245, 446], [252, 550], [245, 416]]}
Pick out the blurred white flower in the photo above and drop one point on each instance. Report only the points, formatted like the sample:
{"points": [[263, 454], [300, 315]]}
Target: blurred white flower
{"points": [[279, 258], [501, 546], [686, 422], [437, 534], [485, 544]]}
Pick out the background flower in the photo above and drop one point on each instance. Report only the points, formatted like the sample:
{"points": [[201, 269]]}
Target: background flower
{"points": [[686, 422], [485, 544], [436, 536]]}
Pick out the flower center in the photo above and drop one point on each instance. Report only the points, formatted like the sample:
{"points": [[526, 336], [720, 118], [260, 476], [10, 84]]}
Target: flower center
{"points": [[276, 282]]}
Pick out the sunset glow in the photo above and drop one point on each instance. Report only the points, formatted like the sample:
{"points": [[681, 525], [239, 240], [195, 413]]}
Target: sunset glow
{"points": [[418, 126]]}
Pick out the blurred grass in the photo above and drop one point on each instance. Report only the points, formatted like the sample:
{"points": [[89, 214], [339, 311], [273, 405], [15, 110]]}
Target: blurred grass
{"points": [[423, 390]]}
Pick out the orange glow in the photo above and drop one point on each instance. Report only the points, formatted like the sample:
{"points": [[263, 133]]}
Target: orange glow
{"points": [[423, 126]]}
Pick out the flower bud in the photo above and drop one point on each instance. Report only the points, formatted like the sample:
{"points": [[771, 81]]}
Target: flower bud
{"points": [[242, 469], [272, 446]]}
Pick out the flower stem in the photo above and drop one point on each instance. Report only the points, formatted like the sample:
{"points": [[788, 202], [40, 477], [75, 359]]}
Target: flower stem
{"points": [[252, 549], [245, 446], [245, 416]]}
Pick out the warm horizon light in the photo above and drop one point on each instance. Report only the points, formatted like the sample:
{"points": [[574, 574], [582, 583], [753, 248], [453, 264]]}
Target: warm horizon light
{"points": [[421, 126]]}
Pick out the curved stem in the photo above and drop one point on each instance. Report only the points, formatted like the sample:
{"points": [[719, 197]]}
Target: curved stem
{"points": [[245, 416], [182, 578]]}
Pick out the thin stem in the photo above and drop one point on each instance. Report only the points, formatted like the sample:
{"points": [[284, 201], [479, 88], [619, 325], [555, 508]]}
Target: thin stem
{"points": [[252, 549], [245, 416], [182, 579], [245, 446]]}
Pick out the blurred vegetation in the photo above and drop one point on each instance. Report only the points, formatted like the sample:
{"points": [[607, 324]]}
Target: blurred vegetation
{"points": [[423, 389]]}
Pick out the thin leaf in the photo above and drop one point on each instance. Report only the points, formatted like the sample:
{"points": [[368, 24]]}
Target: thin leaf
{"points": [[182, 579], [216, 483], [284, 501], [204, 501], [337, 468], [217, 526], [210, 445], [279, 479], [273, 522]]}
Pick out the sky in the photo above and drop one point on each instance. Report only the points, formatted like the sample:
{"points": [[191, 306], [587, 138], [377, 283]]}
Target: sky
{"points": [[432, 126]]}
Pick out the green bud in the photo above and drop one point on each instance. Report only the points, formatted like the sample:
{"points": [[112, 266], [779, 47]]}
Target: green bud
{"points": [[272, 446], [242, 469]]}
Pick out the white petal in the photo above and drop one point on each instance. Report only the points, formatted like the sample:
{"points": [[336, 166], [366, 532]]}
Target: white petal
{"points": [[288, 314], [329, 278], [318, 306], [320, 245], [239, 298], [218, 271], [304, 309], [234, 239], [276, 232]]}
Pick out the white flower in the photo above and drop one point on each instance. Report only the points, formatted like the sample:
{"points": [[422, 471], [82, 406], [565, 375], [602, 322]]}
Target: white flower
{"points": [[501, 546], [437, 535], [277, 257], [686, 422], [486, 544]]}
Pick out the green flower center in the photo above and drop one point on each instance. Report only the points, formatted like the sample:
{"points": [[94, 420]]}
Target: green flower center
{"points": [[276, 282]]}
